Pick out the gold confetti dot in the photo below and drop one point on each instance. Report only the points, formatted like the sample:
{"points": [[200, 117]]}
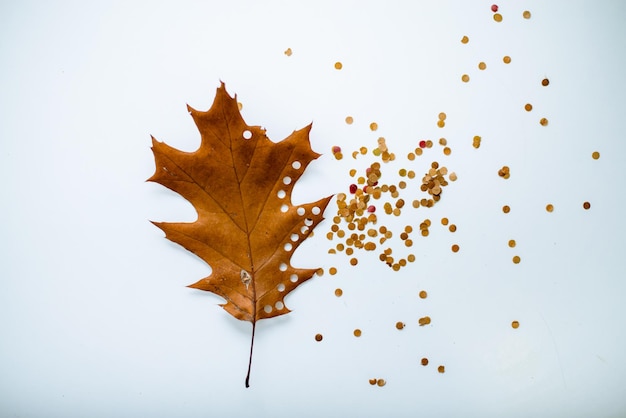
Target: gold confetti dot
{"points": [[444, 221], [318, 337], [595, 155], [399, 325], [515, 324], [452, 228], [441, 123], [349, 120], [411, 258], [453, 176], [338, 292], [373, 126], [506, 209], [549, 207], [455, 248], [424, 321], [526, 14], [497, 17], [506, 59], [357, 332], [545, 82], [482, 65], [424, 361], [543, 122], [332, 271], [512, 243], [586, 205], [447, 151], [288, 52], [465, 78], [442, 116], [354, 261], [441, 369], [338, 65], [464, 40], [528, 107], [516, 259], [372, 382], [423, 294], [381, 382]]}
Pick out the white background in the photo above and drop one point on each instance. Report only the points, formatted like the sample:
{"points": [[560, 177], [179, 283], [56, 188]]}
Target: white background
{"points": [[95, 318]]}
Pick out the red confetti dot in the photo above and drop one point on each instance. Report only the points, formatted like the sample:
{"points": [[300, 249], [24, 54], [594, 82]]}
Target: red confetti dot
{"points": [[353, 188], [336, 149], [422, 144], [371, 208], [494, 8]]}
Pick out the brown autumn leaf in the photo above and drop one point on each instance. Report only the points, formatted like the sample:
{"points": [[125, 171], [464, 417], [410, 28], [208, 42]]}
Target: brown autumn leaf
{"points": [[247, 229]]}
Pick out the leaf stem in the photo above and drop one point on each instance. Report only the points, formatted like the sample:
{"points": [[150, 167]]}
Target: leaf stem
{"points": [[250, 360]]}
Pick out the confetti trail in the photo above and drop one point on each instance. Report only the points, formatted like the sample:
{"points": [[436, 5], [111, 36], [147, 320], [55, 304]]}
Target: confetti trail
{"points": [[394, 197]]}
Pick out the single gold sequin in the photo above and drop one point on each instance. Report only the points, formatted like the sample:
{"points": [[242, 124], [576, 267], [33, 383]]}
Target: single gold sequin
{"points": [[586, 205], [506, 59], [288, 52], [506, 209], [357, 332], [516, 259], [441, 369], [441, 123], [526, 14], [528, 107], [515, 324], [455, 248], [338, 65], [338, 292], [373, 126], [332, 271], [423, 294], [399, 325], [595, 155], [318, 337], [549, 207], [424, 321], [512, 243], [545, 82], [497, 17], [465, 78], [354, 261], [444, 221], [381, 382], [372, 382], [464, 40], [424, 361], [447, 151], [543, 122], [452, 176], [442, 116], [349, 120], [482, 65]]}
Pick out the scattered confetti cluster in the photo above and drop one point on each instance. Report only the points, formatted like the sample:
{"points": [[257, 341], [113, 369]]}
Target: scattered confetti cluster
{"points": [[358, 228], [356, 209]]}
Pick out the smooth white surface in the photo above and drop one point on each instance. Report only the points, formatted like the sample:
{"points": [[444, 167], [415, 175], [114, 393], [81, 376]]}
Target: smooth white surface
{"points": [[94, 316]]}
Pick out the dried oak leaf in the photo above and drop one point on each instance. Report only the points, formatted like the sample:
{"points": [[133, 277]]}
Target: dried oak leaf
{"points": [[247, 229]]}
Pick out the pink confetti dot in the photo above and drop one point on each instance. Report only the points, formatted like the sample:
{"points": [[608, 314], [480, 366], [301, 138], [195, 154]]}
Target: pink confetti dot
{"points": [[494, 8], [422, 144]]}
